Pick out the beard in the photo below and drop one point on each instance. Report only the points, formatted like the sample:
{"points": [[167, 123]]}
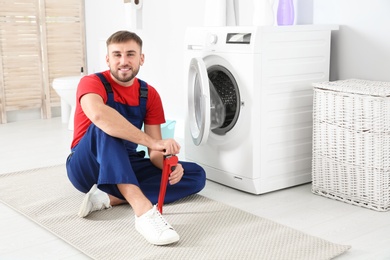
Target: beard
{"points": [[124, 77]]}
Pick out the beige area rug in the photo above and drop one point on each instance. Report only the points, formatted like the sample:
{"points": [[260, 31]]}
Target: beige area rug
{"points": [[208, 229]]}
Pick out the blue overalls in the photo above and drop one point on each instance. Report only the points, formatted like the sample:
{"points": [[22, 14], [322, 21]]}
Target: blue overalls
{"points": [[107, 161]]}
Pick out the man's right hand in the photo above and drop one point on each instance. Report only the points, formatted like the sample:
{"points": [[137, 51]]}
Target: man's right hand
{"points": [[167, 146]]}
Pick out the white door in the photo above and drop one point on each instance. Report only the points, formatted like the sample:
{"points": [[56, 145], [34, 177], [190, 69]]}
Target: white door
{"points": [[198, 101]]}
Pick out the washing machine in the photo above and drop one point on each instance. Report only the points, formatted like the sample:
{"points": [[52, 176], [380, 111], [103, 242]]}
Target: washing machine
{"points": [[249, 120]]}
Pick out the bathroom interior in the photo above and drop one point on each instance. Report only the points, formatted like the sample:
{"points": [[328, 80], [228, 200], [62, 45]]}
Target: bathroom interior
{"points": [[36, 137]]}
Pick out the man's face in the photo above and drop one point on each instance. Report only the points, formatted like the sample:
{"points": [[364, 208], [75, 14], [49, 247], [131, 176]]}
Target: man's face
{"points": [[124, 61]]}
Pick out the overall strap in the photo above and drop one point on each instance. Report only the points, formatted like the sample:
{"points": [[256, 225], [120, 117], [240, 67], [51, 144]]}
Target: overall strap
{"points": [[143, 96], [143, 91], [103, 79]]}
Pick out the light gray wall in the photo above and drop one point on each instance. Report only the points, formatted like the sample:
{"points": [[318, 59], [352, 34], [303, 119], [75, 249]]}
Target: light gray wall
{"points": [[359, 48]]}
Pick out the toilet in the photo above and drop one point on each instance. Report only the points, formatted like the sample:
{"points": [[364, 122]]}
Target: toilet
{"points": [[66, 88]]}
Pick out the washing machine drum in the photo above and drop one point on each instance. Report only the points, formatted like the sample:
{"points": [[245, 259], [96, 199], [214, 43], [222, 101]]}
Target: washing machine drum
{"points": [[224, 99]]}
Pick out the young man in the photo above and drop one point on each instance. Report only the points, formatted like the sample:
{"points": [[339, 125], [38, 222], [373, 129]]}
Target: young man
{"points": [[104, 163]]}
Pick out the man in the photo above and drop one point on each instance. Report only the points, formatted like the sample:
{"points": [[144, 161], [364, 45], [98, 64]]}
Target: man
{"points": [[104, 163]]}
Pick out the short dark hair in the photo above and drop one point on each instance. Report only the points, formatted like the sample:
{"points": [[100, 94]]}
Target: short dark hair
{"points": [[124, 36]]}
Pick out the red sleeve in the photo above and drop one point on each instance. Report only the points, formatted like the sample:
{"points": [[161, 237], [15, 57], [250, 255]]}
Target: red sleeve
{"points": [[154, 108], [88, 84], [91, 84]]}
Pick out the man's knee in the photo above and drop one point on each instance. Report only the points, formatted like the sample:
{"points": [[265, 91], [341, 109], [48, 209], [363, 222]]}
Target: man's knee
{"points": [[200, 178]]}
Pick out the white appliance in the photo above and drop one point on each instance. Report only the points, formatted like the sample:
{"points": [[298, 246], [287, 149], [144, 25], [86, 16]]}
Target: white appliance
{"points": [[249, 120]]}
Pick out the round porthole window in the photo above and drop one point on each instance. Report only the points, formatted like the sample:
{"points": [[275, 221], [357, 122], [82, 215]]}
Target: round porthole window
{"points": [[224, 84]]}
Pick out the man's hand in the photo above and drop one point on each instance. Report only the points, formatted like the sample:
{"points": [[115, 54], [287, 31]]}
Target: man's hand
{"points": [[167, 146], [176, 174]]}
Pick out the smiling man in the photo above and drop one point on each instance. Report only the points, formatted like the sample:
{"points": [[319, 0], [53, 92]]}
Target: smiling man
{"points": [[111, 108]]}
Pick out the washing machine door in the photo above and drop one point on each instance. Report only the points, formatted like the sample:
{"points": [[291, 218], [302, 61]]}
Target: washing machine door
{"points": [[198, 101]]}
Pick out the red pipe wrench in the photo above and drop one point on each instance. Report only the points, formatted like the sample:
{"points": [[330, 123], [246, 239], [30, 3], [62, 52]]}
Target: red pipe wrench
{"points": [[169, 164]]}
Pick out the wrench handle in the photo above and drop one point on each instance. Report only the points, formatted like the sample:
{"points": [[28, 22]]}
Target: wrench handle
{"points": [[169, 165]]}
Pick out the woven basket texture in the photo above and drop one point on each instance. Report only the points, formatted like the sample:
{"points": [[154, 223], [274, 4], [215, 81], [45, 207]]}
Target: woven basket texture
{"points": [[351, 142]]}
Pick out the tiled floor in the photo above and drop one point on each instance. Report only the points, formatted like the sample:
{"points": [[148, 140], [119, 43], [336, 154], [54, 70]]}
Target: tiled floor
{"points": [[31, 144]]}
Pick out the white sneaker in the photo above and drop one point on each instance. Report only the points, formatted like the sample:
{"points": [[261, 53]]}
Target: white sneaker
{"points": [[94, 200], [155, 228]]}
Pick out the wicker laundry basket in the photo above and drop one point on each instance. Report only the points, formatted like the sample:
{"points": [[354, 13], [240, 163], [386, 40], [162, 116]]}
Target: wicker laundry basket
{"points": [[351, 142]]}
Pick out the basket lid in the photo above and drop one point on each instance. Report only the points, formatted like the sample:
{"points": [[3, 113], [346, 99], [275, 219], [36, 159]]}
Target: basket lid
{"points": [[357, 86]]}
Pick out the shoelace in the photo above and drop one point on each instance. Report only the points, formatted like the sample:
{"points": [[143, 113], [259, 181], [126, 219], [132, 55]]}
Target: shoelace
{"points": [[159, 222]]}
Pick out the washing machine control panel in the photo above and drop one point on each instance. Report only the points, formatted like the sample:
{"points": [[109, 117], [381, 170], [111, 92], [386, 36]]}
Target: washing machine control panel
{"points": [[238, 38], [231, 38]]}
